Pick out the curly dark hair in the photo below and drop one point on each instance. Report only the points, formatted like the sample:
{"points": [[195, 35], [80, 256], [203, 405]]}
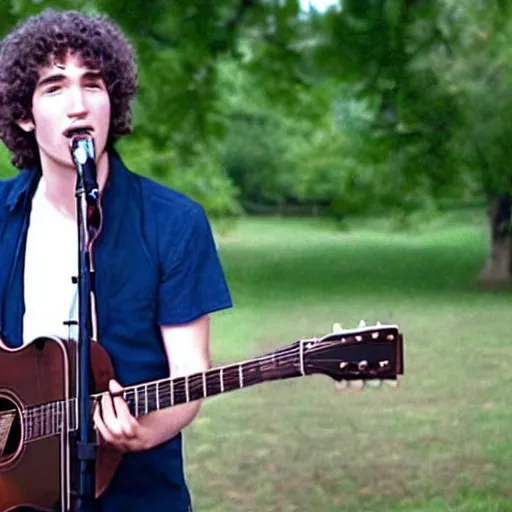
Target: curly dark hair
{"points": [[51, 34]]}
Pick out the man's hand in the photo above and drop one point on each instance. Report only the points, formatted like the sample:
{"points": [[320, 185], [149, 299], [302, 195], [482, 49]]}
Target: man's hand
{"points": [[187, 350], [117, 426]]}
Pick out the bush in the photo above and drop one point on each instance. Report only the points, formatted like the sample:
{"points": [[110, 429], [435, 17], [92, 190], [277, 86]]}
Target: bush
{"points": [[6, 168]]}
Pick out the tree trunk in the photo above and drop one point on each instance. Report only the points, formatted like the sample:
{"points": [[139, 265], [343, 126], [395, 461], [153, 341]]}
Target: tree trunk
{"points": [[497, 270]]}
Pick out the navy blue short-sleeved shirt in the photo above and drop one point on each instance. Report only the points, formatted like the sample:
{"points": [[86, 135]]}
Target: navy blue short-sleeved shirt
{"points": [[156, 264]]}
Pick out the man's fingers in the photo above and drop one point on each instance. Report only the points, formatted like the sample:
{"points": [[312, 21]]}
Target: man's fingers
{"points": [[114, 387], [113, 419], [127, 423], [100, 425], [109, 415]]}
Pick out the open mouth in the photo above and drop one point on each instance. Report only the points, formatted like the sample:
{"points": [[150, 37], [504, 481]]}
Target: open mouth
{"points": [[74, 132]]}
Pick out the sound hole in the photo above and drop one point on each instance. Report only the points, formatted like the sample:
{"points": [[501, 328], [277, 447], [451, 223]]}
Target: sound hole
{"points": [[10, 429]]}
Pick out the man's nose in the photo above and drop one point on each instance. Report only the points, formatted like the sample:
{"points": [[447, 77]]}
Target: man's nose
{"points": [[76, 103]]}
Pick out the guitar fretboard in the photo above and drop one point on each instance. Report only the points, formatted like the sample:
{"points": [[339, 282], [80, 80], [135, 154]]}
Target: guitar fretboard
{"points": [[51, 418], [144, 398]]}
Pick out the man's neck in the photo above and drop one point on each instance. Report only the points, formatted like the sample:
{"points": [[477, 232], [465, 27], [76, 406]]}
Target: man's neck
{"points": [[61, 184]]}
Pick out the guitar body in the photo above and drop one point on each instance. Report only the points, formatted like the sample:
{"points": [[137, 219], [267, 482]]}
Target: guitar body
{"points": [[42, 472], [38, 466]]}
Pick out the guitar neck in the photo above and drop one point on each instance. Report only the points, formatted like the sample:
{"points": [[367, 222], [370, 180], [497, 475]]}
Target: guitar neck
{"points": [[48, 419], [147, 397], [367, 353]]}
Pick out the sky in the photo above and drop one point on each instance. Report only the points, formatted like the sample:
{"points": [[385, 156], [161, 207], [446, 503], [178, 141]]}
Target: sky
{"points": [[319, 5]]}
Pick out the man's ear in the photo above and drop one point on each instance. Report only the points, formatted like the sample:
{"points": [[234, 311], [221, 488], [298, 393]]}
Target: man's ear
{"points": [[27, 126]]}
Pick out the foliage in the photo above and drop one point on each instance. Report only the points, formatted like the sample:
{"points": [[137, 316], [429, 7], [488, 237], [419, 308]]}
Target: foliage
{"points": [[6, 169], [374, 106], [481, 79]]}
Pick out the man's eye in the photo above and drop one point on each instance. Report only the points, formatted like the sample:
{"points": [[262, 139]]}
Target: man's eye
{"points": [[53, 89]]}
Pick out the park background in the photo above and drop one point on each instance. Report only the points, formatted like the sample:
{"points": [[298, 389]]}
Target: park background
{"points": [[354, 159]]}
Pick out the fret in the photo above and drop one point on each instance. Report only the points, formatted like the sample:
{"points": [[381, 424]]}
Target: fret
{"points": [[208, 391], [67, 409], [187, 391], [214, 382], [28, 425], [180, 392], [31, 423], [42, 418], [301, 360], [141, 400], [146, 399], [58, 417], [64, 418], [252, 375], [136, 396], [241, 376], [203, 375], [53, 423], [172, 393], [47, 420], [196, 386], [129, 396], [221, 380], [152, 397], [165, 394], [36, 423], [73, 413], [157, 395], [67, 417], [54, 417]]}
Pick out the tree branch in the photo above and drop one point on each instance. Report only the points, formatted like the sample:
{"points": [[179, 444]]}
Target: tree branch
{"points": [[225, 41]]}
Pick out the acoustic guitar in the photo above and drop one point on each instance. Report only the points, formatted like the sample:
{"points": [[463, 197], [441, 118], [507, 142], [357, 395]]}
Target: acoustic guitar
{"points": [[38, 404]]}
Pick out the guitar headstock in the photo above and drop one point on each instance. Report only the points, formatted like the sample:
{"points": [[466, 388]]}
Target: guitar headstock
{"points": [[367, 353]]}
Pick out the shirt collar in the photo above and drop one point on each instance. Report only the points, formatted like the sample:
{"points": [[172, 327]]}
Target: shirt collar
{"points": [[25, 181], [21, 186]]}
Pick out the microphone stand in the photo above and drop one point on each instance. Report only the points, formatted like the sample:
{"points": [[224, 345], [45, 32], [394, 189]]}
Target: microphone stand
{"points": [[87, 203]]}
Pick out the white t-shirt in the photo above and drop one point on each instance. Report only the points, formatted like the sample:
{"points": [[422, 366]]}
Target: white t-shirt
{"points": [[51, 260]]}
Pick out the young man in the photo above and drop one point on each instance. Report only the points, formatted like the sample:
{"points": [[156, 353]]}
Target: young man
{"points": [[157, 272]]}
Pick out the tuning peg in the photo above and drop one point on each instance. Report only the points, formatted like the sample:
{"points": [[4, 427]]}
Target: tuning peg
{"points": [[362, 323], [356, 384], [341, 385], [392, 383], [336, 327]]}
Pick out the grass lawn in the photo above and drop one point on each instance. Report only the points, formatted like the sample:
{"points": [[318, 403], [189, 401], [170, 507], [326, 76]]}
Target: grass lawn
{"points": [[441, 442]]}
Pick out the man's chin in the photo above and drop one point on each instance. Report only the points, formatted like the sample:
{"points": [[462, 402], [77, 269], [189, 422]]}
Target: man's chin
{"points": [[57, 163]]}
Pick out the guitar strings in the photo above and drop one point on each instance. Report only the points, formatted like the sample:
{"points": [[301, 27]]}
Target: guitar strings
{"points": [[38, 416], [173, 391]]}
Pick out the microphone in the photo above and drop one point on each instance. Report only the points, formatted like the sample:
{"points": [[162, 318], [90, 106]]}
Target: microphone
{"points": [[84, 156]]}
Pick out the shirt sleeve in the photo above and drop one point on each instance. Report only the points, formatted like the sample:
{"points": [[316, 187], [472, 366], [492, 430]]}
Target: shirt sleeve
{"points": [[193, 282]]}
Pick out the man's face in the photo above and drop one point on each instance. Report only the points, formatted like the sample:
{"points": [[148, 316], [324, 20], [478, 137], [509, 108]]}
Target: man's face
{"points": [[69, 96]]}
